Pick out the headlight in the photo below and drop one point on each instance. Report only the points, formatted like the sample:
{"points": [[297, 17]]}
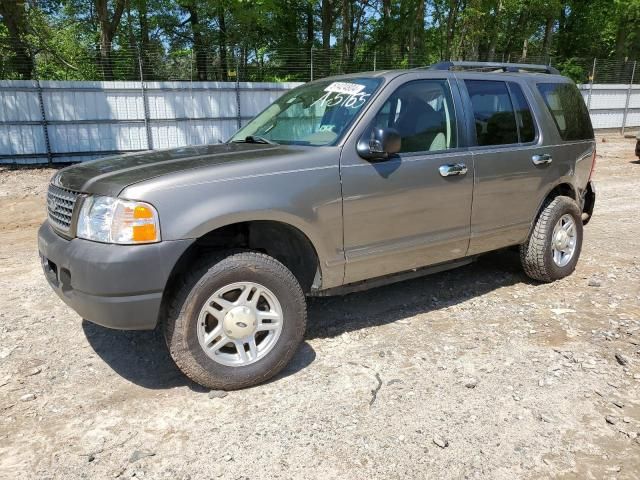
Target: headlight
{"points": [[113, 220]]}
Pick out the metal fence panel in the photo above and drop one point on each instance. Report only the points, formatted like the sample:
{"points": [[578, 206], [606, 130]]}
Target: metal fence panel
{"points": [[67, 101], [78, 121], [91, 137], [607, 105], [19, 101], [634, 99], [609, 97], [22, 140]]}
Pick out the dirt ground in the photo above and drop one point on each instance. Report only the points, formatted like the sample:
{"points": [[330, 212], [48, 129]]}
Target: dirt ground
{"points": [[472, 373]]}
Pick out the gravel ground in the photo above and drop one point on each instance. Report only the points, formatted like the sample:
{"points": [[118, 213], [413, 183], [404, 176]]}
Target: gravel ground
{"points": [[472, 373]]}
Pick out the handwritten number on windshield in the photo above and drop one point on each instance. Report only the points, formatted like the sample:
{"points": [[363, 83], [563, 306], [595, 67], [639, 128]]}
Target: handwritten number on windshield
{"points": [[334, 99]]}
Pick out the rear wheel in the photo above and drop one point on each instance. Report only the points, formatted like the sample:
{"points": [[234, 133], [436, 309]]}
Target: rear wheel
{"points": [[552, 250], [237, 321]]}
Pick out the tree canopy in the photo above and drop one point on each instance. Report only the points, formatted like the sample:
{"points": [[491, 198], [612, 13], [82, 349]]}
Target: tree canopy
{"points": [[282, 39]]}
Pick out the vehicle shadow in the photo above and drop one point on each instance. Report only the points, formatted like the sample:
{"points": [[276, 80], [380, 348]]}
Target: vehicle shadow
{"points": [[138, 356], [333, 316], [142, 357]]}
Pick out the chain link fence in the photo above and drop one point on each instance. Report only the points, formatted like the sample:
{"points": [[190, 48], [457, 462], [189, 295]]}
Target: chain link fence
{"points": [[238, 63]]}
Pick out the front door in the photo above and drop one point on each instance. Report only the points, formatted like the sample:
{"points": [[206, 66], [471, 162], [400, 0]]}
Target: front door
{"points": [[412, 209]]}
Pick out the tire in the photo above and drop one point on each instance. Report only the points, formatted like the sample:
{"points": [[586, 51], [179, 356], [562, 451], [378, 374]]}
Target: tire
{"points": [[186, 321], [537, 253]]}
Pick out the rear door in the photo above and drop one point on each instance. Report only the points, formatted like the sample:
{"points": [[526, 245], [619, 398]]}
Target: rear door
{"points": [[573, 133], [402, 213], [507, 146]]}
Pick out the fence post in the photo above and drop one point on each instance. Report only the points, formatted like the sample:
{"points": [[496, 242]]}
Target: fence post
{"points": [[375, 58], [45, 124], [312, 64], [591, 79], [626, 105], [193, 105], [238, 116], [145, 104]]}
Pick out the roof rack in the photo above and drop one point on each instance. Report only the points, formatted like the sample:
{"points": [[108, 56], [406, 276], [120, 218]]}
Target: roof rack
{"points": [[505, 67]]}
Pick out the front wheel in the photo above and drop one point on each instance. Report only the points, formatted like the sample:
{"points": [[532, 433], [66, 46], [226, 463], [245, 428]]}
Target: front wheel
{"points": [[552, 250], [237, 321]]}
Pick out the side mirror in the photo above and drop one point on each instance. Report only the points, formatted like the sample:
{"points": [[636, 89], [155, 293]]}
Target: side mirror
{"points": [[379, 144]]}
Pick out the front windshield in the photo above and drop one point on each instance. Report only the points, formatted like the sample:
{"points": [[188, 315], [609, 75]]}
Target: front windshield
{"points": [[312, 114]]}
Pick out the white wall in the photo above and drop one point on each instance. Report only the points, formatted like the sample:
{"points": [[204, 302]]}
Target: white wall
{"points": [[89, 119], [608, 102]]}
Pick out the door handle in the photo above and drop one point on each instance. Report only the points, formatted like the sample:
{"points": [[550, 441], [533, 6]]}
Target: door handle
{"points": [[541, 159], [453, 169]]}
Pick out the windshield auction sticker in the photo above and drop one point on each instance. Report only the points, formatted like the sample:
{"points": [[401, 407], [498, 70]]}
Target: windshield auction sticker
{"points": [[344, 87]]}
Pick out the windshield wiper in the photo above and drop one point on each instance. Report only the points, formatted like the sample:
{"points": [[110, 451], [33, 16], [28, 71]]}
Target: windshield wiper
{"points": [[256, 139]]}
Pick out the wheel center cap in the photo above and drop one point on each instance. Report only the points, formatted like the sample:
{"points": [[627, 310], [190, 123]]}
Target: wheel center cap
{"points": [[239, 322], [562, 240]]}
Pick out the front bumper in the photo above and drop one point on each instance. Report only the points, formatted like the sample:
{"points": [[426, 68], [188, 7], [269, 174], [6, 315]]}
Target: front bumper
{"points": [[117, 286]]}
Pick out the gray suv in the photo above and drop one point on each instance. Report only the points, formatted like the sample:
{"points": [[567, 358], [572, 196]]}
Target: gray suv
{"points": [[343, 183]]}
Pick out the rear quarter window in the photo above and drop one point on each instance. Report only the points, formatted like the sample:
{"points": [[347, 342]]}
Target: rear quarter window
{"points": [[568, 110]]}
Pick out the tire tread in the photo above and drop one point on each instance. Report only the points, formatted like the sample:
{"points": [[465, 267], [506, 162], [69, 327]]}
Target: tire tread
{"points": [[228, 260], [535, 249]]}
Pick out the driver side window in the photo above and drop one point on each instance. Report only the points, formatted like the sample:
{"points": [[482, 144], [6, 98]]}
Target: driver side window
{"points": [[422, 112]]}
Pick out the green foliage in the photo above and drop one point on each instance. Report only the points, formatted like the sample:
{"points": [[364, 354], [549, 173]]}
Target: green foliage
{"points": [[269, 39], [573, 69]]}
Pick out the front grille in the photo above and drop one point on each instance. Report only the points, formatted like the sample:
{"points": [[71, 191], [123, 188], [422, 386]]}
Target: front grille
{"points": [[60, 202]]}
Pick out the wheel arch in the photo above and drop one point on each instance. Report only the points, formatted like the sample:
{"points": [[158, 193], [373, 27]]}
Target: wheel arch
{"points": [[561, 188], [281, 240]]}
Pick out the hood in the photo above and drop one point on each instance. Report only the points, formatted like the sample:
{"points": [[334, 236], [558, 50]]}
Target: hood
{"points": [[110, 175]]}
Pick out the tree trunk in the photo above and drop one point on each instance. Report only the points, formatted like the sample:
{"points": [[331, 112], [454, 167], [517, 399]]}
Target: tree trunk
{"points": [[13, 14], [451, 28], [621, 39], [310, 31], [415, 35], [357, 19], [346, 34], [512, 34], [473, 53], [108, 27], [143, 13], [495, 31], [386, 9], [548, 32], [144, 35], [327, 25], [525, 49], [222, 44], [386, 34], [144, 24], [198, 42]]}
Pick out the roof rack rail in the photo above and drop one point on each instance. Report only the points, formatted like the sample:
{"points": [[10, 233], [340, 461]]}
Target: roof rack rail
{"points": [[505, 67]]}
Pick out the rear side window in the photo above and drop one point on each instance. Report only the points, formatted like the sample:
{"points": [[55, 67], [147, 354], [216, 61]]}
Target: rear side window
{"points": [[493, 112], [568, 109]]}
